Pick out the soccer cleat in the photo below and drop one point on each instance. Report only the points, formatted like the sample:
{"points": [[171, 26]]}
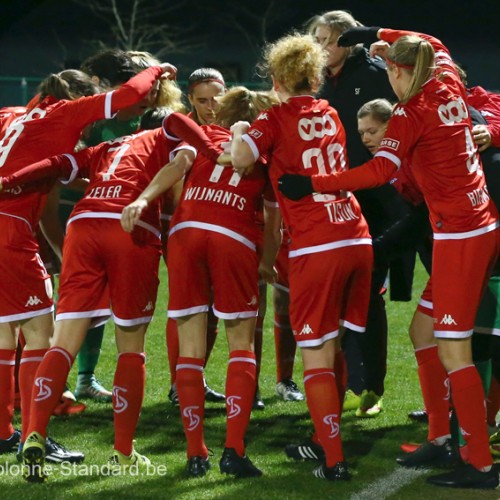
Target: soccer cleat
{"points": [[57, 453], [351, 400], [121, 463], [419, 416], [68, 405], [287, 390], [258, 402], [173, 397], [370, 405], [431, 455], [308, 450], [467, 476], [11, 443], [239, 467], [34, 458], [409, 447], [338, 472], [212, 396], [88, 387], [197, 466]]}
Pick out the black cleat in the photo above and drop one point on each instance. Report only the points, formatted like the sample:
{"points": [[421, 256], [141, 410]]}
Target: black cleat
{"points": [[212, 396], [338, 472], [11, 443], [467, 476], [232, 463], [258, 402], [431, 455], [419, 416], [197, 466], [308, 450], [173, 397], [56, 453]]}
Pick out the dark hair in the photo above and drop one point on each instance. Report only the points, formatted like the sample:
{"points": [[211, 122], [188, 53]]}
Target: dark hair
{"points": [[112, 67], [68, 84], [153, 118], [204, 75]]}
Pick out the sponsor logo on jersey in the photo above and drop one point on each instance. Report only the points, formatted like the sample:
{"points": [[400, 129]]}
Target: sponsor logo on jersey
{"points": [[447, 320], [120, 404], [306, 330], [316, 127], [400, 112], [332, 422], [389, 143], [233, 409], [149, 307], [453, 112], [255, 133], [44, 391], [33, 301], [194, 420]]}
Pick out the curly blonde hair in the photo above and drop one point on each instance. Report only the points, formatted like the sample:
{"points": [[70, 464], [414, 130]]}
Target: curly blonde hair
{"points": [[296, 61]]}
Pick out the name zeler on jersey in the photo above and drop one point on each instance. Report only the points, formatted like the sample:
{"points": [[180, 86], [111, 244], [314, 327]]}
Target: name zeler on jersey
{"points": [[216, 196]]}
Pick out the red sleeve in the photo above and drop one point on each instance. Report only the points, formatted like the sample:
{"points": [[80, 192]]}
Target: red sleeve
{"points": [[184, 128], [373, 173], [50, 168], [495, 134]]}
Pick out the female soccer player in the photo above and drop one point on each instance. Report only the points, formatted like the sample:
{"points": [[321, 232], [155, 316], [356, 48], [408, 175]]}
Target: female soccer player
{"points": [[51, 125], [330, 254], [431, 129], [213, 236], [97, 264]]}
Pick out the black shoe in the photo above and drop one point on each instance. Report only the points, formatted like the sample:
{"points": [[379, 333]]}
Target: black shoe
{"points": [[338, 472], [213, 396], [307, 450], [173, 397], [197, 466], [232, 463], [431, 455], [467, 476], [56, 453], [258, 403], [419, 416], [10, 444]]}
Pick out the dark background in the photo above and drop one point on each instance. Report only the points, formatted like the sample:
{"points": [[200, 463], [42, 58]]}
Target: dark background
{"points": [[38, 37]]}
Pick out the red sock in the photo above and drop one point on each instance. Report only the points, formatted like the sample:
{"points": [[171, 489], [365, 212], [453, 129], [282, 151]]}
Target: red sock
{"points": [[7, 367], [191, 391], [340, 369], [128, 393], [240, 391], [48, 386], [172, 348], [324, 407], [493, 401], [30, 361], [257, 346], [435, 391], [285, 347], [468, 399], [212, 332]]}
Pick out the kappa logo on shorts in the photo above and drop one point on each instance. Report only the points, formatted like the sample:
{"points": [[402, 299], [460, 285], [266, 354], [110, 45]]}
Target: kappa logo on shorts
{"points": [[194, 420], [44, 391], [120, 404], [253, 301], [447, 320], [233, 409], [33, 301], [306, 330], [149, 307], [331, 420]]}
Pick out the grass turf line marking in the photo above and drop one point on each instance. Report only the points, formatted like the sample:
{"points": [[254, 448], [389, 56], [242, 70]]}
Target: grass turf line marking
{"points": [[386, 486]]}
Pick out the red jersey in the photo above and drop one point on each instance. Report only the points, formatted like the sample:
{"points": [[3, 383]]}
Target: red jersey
{"points": [[488, 104], [52, 128], [219, 199], [432, 132], [305, 136]]}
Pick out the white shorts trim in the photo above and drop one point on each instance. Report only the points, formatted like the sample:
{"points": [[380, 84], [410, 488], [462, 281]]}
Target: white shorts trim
{"points": [[179, 313], [317, 342], [427, 304], [329, 246], [467, 234], [96, 313], [447, 334], [235, 315], [352, 326], [216, 229], [131, 322], [26, 315]]}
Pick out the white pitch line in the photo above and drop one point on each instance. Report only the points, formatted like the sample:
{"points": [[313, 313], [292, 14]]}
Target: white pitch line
{"points": [[386, 486]]}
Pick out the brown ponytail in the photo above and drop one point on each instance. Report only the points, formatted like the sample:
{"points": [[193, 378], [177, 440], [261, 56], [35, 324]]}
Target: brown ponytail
{"points": [[69, 84]]}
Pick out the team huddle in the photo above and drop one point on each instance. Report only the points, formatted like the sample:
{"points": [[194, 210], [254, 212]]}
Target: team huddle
{"points": [[249, 188]]}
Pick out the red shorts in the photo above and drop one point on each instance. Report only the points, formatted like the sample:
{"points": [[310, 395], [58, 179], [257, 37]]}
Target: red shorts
{"points": [[328, 289], [425, 303], [201, 262], [26, 289], [460, 272], [102, 266]]}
